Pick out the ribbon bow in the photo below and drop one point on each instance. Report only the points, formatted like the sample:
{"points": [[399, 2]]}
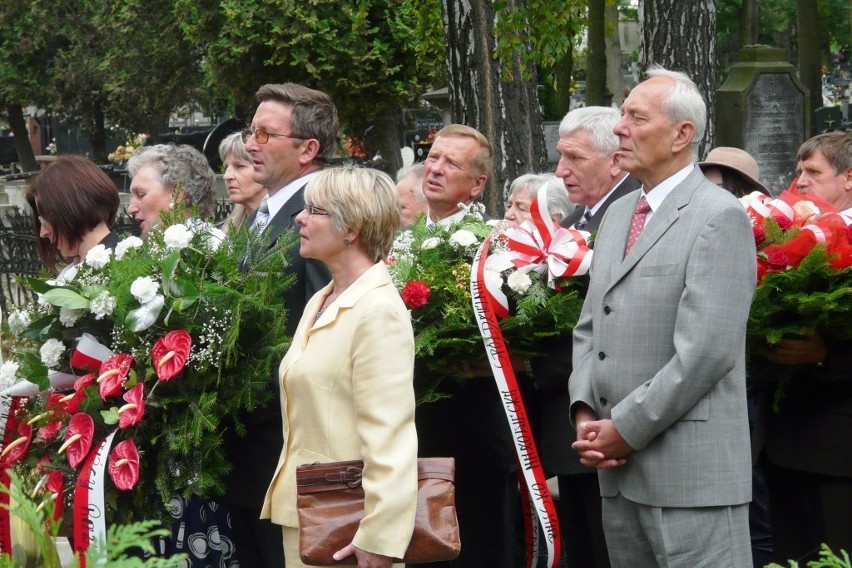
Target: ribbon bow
{"points": [[544, 246]]}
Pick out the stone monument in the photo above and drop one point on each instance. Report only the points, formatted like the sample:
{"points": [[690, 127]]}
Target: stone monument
{"points": [[764, 109]]}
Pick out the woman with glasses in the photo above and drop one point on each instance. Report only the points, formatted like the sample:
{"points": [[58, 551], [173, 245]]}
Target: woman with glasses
{"points": [[74, 205], [346, 381], [245, 193]]}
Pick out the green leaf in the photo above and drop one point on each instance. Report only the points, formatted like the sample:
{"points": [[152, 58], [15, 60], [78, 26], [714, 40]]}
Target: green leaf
{"points": [[66, 298], [110, 416]]}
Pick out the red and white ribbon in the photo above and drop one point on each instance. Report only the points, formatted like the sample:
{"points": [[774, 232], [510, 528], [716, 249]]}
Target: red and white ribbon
{"points": [[89, 354], [543, 246], [89, 507], [530, 471]]}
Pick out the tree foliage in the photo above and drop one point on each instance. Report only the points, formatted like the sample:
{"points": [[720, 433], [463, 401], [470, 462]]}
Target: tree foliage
{"points": [[372, 56]]}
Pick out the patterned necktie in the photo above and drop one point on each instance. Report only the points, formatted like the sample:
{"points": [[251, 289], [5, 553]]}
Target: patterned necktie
{"points": [[637, 224], [261, 220], [584, 220]]}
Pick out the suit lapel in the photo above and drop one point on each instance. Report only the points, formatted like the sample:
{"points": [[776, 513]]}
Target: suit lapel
{"points": [[663, 219], [285, 218]]}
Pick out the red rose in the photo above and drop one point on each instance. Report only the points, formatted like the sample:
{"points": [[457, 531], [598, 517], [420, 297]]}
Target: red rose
{"points": [[759, 234], [415, 294], [783, 222], [777, 261]]}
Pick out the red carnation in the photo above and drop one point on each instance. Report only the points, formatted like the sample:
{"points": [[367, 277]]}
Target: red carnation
{"points": [[416, 294], [777, 261], [759, 234], [783, 222]]}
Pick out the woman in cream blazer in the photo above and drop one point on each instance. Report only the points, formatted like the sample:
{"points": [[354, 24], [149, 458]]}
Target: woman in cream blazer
{"points": [[346, 381]]}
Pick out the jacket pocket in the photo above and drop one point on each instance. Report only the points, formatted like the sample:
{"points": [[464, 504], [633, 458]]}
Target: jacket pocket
{"points": [[647, 271]]}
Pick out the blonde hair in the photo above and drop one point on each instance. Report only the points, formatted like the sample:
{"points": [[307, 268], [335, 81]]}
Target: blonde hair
{"points": [[361, 199]]}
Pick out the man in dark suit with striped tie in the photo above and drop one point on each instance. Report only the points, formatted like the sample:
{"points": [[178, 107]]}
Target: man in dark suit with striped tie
{"points": [[292, 135], [588, 166]]}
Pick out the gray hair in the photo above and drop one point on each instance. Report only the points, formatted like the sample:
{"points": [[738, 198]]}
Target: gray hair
{"points": [[180, 165], [415, 170], [557, 196], [233, 145], [683, 103], [599, 122]]}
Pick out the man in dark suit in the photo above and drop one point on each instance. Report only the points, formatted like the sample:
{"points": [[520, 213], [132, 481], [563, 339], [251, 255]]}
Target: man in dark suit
{"points": [[588, 166], [471, 425], [808, 442], [292, 134], [658, 386]]}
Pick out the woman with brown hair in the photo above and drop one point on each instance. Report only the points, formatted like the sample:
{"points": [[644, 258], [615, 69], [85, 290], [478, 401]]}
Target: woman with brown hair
{"points": [[74, 205]]}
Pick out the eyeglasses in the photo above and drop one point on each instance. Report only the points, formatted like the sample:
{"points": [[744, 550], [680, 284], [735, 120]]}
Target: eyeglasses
{"points": [[313, 210], [262, 136]]}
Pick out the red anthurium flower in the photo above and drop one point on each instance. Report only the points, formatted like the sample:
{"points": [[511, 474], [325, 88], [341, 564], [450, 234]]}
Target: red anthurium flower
{"points": [[111, 376], [72, 401], [78, 438], [56, 485], [134, 410], [170, 353], [124, 465], [17, 448]]}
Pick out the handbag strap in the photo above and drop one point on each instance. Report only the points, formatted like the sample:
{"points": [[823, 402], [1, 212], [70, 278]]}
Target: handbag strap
{"points": [[316, 477]]}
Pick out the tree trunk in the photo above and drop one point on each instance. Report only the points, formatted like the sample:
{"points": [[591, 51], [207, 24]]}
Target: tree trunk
{"points": [[26, 157], [681, 36], [97, 135], [809, 68], [387, 139], [614, 77], [596, 63], [507, 112], [563, 73]]}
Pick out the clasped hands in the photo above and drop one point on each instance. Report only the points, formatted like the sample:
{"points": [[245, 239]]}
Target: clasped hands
{"points": [[598, 442]]}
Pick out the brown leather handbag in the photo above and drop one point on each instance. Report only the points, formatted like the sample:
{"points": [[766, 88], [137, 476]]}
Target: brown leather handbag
{"points": [[330, 504]]}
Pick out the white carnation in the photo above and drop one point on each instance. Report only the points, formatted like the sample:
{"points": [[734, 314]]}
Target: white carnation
{"points": [[431, 243], [51, 351], [8, 375], [125, 245], [463, 238], [18, 322], [98, 256], [69, 317], [144, 289], [177, 237], [102, 305], [519, 281]]}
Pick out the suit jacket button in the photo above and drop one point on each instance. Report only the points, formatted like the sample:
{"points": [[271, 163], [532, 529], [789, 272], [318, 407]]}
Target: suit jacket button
{"points": [[603, 401], [601, 355], [607, 310]]}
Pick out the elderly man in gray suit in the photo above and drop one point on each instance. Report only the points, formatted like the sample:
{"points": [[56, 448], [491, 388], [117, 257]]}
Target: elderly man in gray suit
{"points": [[658, 387]]}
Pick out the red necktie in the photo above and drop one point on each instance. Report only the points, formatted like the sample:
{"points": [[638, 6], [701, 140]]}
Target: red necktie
{"points": [[638, 223]]}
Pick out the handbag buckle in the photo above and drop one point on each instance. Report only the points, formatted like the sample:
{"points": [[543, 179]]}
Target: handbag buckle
{"points": [[351, 476]]}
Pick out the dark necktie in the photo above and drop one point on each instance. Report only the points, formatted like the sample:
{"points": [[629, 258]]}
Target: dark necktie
{"points": [[584, 220], [637, 224]]}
